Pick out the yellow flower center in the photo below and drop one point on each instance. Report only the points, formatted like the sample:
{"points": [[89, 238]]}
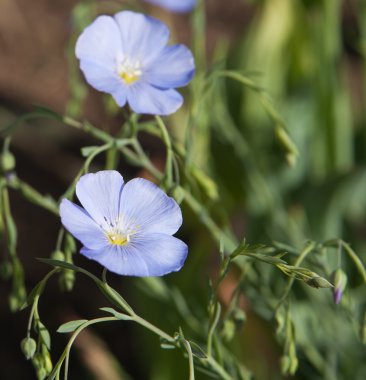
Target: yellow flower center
{"points": [[118, 239], [128, 77], [129, 71]]}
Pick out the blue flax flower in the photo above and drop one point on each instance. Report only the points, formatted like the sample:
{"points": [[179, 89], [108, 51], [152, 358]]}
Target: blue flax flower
{"points": [[175, 5], [127, 56], [128, 227]]}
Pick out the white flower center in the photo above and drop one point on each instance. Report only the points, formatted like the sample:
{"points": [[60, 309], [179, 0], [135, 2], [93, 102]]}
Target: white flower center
{"points": [[130, 71], [116, 234]]}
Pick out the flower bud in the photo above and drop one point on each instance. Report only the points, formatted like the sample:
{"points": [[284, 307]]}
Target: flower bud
{"points": [[7, 162], [339, 279], [58, 255], [28, 346]]}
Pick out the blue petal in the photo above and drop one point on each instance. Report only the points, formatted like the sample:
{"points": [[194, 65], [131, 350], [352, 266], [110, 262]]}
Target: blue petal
{"points": [[100, 193], [103, 78], [173, 68], [100, 42], [144, 98], [98, 48], [149, 255], [143, 37], [175, 5], [79, 223], [146, 207]]}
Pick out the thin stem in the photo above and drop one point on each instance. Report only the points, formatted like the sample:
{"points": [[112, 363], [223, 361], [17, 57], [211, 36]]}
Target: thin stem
{"points": [[212, 328], [169, 151], [104, 275], [146, 162], [60, 236], [34, 196], [31, 315], [190, 359], [152, 328], [356, 260], [71, 341], [218, 368], [88, 128]]}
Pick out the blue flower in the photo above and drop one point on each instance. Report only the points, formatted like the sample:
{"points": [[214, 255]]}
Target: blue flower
{"points": [[128, 227], [127, 56], [175, 5]]}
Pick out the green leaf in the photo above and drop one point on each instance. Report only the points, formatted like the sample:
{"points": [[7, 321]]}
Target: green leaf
{"points": [[265, 258], [167, 346], [197, 351], [71, 326], [115, 313], [60, 264]]}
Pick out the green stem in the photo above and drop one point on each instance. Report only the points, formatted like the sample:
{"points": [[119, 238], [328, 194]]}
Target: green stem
{"points": [[169, 151], [152, 328], [88, 128], [190, 359], [356, 260], [218, 368], [66, 352], [212, 328], [34, 196]]}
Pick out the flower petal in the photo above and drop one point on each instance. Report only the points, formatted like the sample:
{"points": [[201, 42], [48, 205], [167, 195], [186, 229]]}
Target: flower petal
{"points": [[175, 5], [100, 42], [144, 98], [102, 78], [144, 206], [143, 37], [79, 223], [173, 68], [149, 255], [100, 194]]}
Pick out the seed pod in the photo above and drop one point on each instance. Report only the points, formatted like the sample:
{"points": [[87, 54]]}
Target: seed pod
{"points": [[28, 346]]}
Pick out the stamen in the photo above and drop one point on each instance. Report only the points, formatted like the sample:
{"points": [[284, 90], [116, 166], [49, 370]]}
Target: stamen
{"points": [[129, 71], [117, 239]]}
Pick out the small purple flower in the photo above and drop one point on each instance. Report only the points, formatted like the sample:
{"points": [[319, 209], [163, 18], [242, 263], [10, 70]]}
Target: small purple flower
{"points": [[175, 5], [127, 56], [128, 227]]}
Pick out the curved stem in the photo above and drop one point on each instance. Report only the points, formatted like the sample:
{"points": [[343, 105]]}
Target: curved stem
{"points": [[358, 263], [71, 341], [190, 359]]}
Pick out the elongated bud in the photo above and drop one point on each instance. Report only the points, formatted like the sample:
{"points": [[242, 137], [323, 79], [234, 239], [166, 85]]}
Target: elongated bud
{"points": [[28, 346], [47, 362], [318, 282], [339, 279]]}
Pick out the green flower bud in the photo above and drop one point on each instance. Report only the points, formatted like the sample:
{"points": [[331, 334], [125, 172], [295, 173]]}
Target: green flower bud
{"points": [[58, 255], [67, 280], [7, 162], [28, 346]]}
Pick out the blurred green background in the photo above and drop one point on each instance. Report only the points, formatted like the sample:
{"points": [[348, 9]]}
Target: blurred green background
{"points": [[305, 66]]}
